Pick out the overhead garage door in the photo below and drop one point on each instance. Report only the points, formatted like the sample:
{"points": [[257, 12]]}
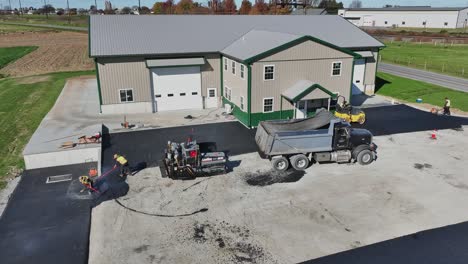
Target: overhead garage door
{"points": [[177, 88]]}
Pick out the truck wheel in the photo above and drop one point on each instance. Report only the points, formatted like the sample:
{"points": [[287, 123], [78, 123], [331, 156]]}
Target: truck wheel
{"points": [[365, 157], [299, 162], [280, 163]]}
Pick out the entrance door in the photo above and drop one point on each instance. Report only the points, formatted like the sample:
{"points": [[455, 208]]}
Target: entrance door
{"points": [[211, 100], [358, 77], [301, 109]]}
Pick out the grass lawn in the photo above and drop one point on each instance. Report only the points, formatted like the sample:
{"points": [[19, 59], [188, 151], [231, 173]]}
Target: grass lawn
{"points": [[8, 55], [409, 90], [4, 28], [23, 105], [75, 21], [447, 59]]}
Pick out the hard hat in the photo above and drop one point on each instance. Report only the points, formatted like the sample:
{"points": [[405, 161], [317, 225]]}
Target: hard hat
{"points": [[115, 156], [84, 179]]}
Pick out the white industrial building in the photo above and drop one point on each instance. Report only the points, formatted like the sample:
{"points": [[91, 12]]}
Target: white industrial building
{"points": [[413, 17]]}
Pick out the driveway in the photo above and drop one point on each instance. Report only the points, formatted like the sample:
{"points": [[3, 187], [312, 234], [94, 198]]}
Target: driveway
{"points": [[451, 82], [255, 215]]}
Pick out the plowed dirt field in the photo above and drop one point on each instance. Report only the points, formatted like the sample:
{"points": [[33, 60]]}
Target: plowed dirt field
{"points": [[58, 51]]}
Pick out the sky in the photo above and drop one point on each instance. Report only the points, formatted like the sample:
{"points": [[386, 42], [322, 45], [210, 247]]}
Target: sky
{"points": [[149, 3]]}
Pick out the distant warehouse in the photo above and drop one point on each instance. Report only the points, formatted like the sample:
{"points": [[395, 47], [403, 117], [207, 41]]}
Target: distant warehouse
{"points": [[408, 16]]}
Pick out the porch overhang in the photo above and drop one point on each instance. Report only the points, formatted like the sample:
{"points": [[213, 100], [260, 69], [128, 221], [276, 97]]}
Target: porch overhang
{"points": [[301, 89], [365, 54], [181, 62]]}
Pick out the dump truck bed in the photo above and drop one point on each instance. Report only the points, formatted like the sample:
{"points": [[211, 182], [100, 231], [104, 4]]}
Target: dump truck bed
{"points": [[283, 137]]}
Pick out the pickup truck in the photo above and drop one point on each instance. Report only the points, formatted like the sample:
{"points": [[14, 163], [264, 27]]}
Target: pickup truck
{"points": [[322, 138]]}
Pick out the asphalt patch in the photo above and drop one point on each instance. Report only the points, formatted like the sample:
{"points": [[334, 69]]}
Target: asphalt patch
{"points": [[270, 177], [420, 166]]}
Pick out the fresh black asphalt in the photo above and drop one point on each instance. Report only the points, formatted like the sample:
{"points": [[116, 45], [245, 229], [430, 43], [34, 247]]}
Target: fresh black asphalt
{"points": [[445, 245], [46, 223], [49, 223]]}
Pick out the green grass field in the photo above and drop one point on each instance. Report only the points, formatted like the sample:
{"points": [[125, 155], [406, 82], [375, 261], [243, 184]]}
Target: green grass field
{"points": [[75, 21], [446, 59], [23, 105], [409, 90], [8, 55], [4, 28]]}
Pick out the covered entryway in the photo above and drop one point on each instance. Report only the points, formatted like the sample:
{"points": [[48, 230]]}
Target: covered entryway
{"points": [[176, 83], [306, 97]]}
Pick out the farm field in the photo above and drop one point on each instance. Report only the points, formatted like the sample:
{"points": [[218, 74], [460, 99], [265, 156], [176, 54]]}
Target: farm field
{"points": [[409, 90], [75, 21], [23, 103], [441, 58], [4, 29], [58, 51], [11, 54]]}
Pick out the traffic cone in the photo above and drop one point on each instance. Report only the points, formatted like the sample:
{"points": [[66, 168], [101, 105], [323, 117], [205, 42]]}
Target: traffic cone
{"points": [[434, 135]]}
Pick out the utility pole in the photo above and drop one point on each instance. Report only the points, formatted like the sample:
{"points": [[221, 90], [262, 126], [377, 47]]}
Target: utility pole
{"points": [[139, 6], [46, 10], [21, 9], [10, 6], [68, 9]]}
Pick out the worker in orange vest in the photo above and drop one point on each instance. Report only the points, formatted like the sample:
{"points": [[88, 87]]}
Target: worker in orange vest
{"points": [[123, 163]]}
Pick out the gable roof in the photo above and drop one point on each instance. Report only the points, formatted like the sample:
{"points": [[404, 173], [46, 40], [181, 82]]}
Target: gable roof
{"points": [[302, 88], [118, 35], [309, 11]]}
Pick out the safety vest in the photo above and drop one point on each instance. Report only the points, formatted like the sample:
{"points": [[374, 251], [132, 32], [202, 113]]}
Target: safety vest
{"points": [[121, 160]]}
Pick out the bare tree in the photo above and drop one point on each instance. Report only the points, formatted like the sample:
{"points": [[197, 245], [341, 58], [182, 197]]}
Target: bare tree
{"points": [[355, 4]]}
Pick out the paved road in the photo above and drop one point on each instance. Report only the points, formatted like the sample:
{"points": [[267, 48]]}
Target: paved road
{"points": [[46, 26], [430, 77]]}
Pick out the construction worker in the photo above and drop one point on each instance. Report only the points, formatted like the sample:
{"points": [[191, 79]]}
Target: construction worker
{"points": [[123, 163], [447, 106], [88, 183]]}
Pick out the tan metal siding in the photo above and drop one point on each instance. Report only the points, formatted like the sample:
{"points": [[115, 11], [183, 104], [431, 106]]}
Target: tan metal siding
{"points": [[210, 74], [237, 85], [124, 73], [371, 67], [287, 73], [308, 50]]}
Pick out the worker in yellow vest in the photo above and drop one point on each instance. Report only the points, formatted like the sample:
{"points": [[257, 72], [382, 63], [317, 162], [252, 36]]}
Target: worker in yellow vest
{"points": [[123, 163]]}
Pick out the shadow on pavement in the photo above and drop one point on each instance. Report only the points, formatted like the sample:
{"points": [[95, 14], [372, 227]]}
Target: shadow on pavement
{"points": [[447, 244], [396, 119]]}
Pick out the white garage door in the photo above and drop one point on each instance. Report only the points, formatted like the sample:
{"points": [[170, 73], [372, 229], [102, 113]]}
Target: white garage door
{"points": [[358, 78], [177, 88]]}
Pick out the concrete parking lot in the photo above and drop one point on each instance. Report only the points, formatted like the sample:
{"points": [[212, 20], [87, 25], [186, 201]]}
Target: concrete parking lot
{"points": [[254, 215]]}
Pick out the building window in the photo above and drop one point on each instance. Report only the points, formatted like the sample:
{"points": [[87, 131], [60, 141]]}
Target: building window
{"points": [[445, 23], [194, 93], [233, 67], [211, 93], [242, 71], [336, 68], [268, 105], [424, 23], [268, 72], [242, 102], [126, 95], [182, 94], [227, 93], [386, 22], [170, 95], [403, 22], [157, 96], [225, 64]]}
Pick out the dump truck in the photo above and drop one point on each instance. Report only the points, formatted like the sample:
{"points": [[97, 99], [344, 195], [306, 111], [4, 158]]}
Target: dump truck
{"points": [[322, 138], [188, 160]]}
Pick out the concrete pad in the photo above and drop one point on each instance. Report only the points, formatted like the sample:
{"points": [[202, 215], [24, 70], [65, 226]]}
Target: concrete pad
{"points": [[416, 184], [70, 118]]}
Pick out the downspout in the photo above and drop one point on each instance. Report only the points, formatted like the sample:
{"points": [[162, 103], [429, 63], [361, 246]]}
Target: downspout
{"points": [[99, 85], [281, 107], [222, 84], [351, 85], [249, 95]]}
